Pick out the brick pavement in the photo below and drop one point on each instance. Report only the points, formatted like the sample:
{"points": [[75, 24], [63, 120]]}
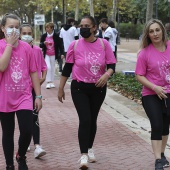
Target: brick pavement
{"points": [[116, 147]]}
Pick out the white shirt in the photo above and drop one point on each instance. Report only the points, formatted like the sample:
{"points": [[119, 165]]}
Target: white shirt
{"points": [[68, 36], [111, 33]]}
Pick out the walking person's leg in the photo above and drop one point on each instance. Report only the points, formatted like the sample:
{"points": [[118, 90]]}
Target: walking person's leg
{"points": [[82, 105], [25, 122], [48, 76], [52, 63], [153, 108], [8, 125], [38, 152], [96, 100]]}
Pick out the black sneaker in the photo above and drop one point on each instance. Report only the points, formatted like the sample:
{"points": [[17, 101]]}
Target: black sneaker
{"points": [[165, 163], [158, 165], [21, 162], [10, 167]]}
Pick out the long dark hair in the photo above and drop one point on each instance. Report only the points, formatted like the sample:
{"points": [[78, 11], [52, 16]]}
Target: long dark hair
{"points": [[3, 22]]}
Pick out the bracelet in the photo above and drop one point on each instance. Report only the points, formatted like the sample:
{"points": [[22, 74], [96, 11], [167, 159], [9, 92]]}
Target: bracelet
{"points": [[153, 87], [10, 45], [39, 97], [107, 73]]}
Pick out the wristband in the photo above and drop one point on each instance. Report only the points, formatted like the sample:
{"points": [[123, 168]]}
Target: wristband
{"points": [[153, 87], [107, 73], [10, 45], [39, 97]]}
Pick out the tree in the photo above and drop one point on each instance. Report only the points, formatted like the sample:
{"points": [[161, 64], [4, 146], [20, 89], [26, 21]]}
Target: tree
{"points": [[77, 10], [149, 11]]}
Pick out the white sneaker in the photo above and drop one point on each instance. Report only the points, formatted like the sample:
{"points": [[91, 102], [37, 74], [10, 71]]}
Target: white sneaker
{"points": [[83, 162], [39, 152], [48, 86], [52, 85], [91, 156], [29, 148]]}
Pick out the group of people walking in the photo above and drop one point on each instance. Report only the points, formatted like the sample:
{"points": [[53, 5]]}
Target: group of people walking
{"points": [[91, 61]]}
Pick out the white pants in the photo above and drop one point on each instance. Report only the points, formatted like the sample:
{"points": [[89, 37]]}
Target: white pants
{"points": [[50, 61]]}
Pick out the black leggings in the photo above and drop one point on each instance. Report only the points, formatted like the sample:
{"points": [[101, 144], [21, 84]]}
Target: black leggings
{"points": [[8, 125], [36, 128], [157, 114], [87, 99]]}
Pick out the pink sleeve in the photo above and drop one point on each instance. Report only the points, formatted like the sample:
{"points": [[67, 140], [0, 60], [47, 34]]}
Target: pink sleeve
{"points": [[141, 64], [110, 57], [32, 61], [43, 63], [70, 53]]}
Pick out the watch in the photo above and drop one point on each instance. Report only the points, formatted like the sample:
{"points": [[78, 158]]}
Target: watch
{"points": [[39, 97]]}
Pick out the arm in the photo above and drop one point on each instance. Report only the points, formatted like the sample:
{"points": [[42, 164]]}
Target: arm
{"points": [[6, 56], [44, 73], [160, 91], [37, 88]]}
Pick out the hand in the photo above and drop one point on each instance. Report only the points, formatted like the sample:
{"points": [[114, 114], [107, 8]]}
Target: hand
{"points": [[61, 95], [45, 42], [62, 56], [38, 104], [12, 38], [102, 81], [160, 91]]}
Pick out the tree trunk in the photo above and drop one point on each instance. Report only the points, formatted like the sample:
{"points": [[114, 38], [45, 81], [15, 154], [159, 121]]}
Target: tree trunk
{"points": [[77, 10], [91, 8], [149, 11], [114, 10]]}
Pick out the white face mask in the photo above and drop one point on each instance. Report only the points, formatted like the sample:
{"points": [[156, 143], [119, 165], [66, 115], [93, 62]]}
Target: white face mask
{"points": [[10, 30], [26, 38]]}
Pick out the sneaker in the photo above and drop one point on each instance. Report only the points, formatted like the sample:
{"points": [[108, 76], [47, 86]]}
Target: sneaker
{"points": [[52, 85], [39, 152], [165, 163], [91, 156], [158, 165], [83, 162], [48, 86], [21, 162], [29, 148], [10, 167]]}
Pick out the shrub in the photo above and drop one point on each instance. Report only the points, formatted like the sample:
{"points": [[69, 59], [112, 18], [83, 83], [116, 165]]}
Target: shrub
{"points": [[127, 85]]}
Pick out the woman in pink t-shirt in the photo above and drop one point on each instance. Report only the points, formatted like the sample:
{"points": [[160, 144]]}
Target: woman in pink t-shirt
{"points": [[153, 72], [87, 59], [18, 72], [27, 36]]}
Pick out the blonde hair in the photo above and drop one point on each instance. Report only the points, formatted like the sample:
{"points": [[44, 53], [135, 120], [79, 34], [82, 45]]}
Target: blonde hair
{"points": [[49, 24], [145, 37]]}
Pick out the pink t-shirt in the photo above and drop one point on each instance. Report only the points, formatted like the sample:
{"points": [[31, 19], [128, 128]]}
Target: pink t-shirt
{"points": [[50, 46], [41, 64], [15, 82], [155, 66], [89, 59]]}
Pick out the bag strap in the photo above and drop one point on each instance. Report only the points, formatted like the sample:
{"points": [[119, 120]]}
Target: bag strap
{"points": [[75, 44], [102, 43]]}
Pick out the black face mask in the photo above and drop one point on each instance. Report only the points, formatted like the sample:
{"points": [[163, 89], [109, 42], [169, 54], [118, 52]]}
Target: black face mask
{"points": [[85, 32]]}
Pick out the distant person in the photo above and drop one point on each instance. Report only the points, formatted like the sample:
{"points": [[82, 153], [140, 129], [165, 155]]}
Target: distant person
{"points": [[153, 72], [51, 44], [91, 62], [109, 34], [26, 34], [68, 33]]}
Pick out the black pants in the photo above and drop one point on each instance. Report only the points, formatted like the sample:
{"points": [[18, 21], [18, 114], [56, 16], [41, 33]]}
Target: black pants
{"points": [[87, 99], [8, 125], [60, 64], [36, 128], [156, 110]]}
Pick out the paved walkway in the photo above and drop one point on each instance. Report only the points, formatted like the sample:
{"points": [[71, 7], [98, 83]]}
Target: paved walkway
{"points": [[119, 144]]}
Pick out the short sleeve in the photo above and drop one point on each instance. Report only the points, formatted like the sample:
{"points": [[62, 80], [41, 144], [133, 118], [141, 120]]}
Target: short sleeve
{"points": [[75, 32], [70, 53], [108, 34], [61, 35], [109, 55], [141, 64], [32, 61]]}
